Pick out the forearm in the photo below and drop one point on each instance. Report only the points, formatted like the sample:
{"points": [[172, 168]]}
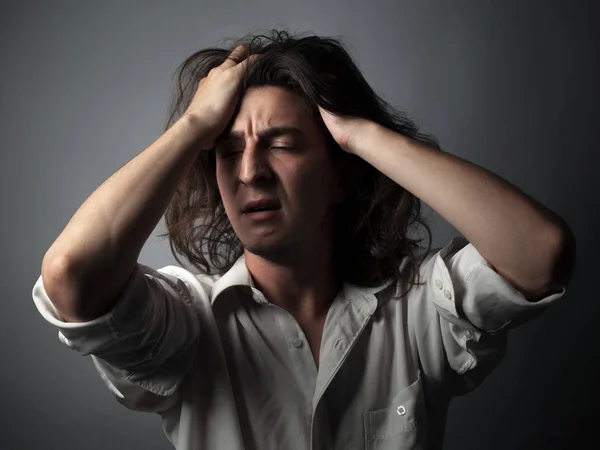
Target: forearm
{"points": [[96, 252], [517, 235]]}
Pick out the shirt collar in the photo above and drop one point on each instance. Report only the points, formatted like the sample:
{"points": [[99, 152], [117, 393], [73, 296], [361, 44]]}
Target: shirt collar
{"points": [[238, 275]]}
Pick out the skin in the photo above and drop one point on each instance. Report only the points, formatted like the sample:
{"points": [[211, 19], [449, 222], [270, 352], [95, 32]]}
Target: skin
{"points": [[289, 256]]}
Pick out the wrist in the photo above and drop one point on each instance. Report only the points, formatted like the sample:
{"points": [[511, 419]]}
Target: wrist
{"points": [[364, 133], [201, 133]]}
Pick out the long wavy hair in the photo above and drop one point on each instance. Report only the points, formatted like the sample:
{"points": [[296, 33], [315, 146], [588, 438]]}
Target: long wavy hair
{"points": [[372, 225]]}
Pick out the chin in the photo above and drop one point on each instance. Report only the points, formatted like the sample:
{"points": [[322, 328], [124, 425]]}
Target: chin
{"points": [[274, 250]]}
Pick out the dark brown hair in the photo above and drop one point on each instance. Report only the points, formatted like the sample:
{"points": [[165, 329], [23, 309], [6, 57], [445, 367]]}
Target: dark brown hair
{"points": [[371, 226]]}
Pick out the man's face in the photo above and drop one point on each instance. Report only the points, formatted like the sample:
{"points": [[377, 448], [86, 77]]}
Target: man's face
{"points": [[289, 168]]}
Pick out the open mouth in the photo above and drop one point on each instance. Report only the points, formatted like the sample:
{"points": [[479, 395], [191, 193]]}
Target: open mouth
{"points": [[262, 213], [261, 204]]}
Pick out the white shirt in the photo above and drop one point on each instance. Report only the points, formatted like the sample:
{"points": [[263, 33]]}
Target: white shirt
{"points": [[228, 370]]}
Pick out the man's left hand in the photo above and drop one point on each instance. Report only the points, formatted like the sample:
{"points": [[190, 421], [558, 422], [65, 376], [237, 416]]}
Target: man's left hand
{"points": [[345, 130]]}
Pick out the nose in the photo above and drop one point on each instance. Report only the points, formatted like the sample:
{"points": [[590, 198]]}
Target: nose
{"points": [[254, 168]]}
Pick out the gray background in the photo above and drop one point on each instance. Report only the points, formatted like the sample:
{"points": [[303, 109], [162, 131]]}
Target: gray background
{"points": [[509, 85]]}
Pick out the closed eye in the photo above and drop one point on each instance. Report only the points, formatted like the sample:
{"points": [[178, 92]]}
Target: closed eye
{"points": [[230, 154]]}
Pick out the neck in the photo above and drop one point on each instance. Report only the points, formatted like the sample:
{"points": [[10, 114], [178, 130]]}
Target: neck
{"points": [[305, 285]]}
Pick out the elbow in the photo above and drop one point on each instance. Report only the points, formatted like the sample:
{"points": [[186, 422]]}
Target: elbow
{"points": [[556, 258], [565, 255], [62, 288]]}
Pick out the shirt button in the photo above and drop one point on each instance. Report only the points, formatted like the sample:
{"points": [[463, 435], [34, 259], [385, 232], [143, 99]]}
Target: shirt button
{"points": [[297, 342], [447, 294], [438, 283], [401, 410]]}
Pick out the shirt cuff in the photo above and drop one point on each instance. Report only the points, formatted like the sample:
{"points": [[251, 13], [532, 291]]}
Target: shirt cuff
{"points": [[94, 335], [465, 285]]}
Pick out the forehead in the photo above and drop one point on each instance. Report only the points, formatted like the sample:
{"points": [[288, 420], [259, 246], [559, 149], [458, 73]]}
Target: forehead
{"points": [[271, 106]]}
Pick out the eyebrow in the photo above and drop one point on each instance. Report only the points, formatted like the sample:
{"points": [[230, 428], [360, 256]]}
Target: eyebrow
{"points": [[266, 134]]}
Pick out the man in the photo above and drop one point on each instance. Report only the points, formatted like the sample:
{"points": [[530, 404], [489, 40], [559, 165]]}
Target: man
{"points": [[287, 344]]}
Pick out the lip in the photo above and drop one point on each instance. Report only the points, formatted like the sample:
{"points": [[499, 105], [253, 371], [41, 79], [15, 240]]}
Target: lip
{"points": [[262, 215], [260, 202]]}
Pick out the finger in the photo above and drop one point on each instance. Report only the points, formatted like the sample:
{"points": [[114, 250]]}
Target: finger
{"points": [[241, 67], [243, 63], [235, 56]]}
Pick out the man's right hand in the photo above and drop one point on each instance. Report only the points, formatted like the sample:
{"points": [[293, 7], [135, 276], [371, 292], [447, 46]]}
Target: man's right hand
{"points": [[217, 95], [86, 268]]}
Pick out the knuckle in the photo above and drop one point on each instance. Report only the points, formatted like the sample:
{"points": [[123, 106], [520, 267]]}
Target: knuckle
{"points": [[229, 75]]}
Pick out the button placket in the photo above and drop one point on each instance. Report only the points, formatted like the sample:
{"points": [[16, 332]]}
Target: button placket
{"points": [[338, 343], [297, 342]]}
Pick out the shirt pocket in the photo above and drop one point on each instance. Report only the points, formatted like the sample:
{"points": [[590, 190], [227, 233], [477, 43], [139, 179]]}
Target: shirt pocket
{"points": [[401, 425]]}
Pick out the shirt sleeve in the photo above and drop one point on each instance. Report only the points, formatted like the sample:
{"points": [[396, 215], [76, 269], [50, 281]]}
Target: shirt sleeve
{"points": [[474, 308], [143, 347]]}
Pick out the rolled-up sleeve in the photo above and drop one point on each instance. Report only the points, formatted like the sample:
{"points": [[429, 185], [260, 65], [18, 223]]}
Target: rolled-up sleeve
{"points": [[145, 344], [475, 306]]}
